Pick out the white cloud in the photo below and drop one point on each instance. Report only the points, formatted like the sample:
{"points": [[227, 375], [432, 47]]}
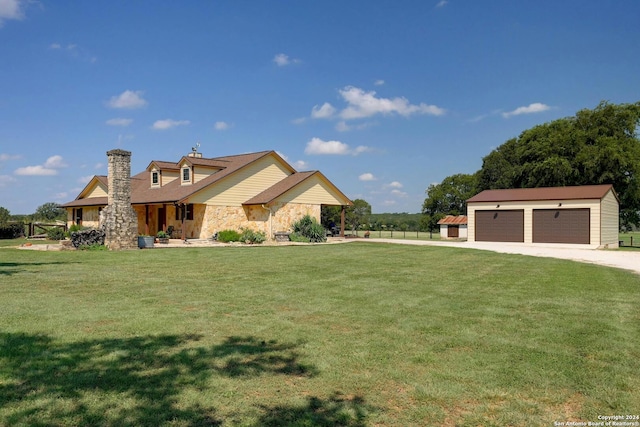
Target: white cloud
{"points": [[74, 51], [394, 184], [55, 162], [323, 112], [299, 120], [300, 165], [6, 179], [389, 202], [442, 3], [318, 146], [398, 193], [221, 126], [49, 168], [36, 171], [127, 100], [4, 157], [379, 82], [536, 107], [11, 9], [283, 60], [119, 122], [361, 149], [342, 126], [367, 177], [169, 123], [363, 104], [85, 179]]}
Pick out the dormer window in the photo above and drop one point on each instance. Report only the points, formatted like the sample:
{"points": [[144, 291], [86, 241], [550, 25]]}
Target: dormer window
{"points": [[186, 175], [155, 179]]}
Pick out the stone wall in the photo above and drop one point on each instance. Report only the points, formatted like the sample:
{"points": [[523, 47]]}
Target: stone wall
{"points": [[118, 219], [218, 218]]}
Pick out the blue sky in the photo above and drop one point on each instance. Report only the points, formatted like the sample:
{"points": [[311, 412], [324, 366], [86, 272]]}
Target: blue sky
{"points": [[384, 97]]}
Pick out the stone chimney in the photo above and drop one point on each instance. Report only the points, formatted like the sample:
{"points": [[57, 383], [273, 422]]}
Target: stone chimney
{"points": [[119, 220]]}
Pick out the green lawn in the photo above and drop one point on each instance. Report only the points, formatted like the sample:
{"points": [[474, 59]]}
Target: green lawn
{"points": [[353, 334]]}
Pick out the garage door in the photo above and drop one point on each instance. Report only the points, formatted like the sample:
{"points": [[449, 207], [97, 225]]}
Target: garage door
{"points": [[500, 226], [561, 225]]}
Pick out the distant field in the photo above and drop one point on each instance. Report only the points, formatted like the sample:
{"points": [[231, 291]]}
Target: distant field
{"points": [[350, 334], [630, 239], [397, 234]]}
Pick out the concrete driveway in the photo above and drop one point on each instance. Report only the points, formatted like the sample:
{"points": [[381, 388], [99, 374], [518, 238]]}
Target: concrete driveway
{"points": [[627, 260]]}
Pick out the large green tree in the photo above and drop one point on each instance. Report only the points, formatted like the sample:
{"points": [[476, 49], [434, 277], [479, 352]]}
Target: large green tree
{"points": [[49, 212], [358, 213], [598, 146], [448, 198]]}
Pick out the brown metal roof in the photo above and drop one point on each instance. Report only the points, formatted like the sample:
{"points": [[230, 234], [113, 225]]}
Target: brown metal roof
{"points": [[453, 220], [543, 193]]}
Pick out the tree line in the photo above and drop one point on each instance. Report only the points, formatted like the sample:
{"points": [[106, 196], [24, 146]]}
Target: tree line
{"points": [[47, 212], [598, 146]]}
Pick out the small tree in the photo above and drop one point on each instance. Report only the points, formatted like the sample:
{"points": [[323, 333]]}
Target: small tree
{"points": [[5, 216]]}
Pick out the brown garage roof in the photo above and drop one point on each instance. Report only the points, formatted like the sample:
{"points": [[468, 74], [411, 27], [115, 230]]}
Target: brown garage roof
{"points": [[543, 193], [453, 220]]}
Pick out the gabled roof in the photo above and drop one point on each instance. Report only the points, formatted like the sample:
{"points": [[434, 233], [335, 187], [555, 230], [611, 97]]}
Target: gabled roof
{"points": [[453, 220], [174, 192], [580, 192], [290, 182]]}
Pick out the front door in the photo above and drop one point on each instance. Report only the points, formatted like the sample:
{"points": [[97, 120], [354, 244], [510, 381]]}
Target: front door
{"points": [[162, 219]]}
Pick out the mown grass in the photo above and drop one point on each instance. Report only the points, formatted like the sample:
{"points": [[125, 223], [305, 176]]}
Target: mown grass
{"points": [[353, 335]]}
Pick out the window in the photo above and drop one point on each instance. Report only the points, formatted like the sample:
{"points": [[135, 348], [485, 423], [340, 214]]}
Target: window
{"points": [[186, 211], [155, 178], [186, 175]]}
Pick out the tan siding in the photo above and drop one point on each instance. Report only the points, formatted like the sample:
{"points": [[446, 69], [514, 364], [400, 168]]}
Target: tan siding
{"points": [[96, 190], [168, 177], [610, 220], [200, 173], [243, 185], [528, 208], [312, 191]]}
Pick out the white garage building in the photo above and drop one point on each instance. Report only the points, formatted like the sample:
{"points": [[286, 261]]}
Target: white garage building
{"points": [[584, 215]]}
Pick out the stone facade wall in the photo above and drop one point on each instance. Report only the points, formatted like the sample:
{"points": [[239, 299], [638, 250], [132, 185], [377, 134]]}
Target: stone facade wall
{"points": [[286, 214], [119, 220], [218, 218]]}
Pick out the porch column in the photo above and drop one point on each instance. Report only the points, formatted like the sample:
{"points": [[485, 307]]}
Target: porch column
{"points": [[342, 220]]}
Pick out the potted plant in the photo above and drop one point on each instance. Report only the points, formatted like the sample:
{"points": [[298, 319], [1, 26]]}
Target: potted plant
{"points": [[162, 237], [145, 241]]}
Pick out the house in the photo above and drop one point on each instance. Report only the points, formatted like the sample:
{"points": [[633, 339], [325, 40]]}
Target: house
{"points": [[586, 215], [453, 227], [197, 197]]}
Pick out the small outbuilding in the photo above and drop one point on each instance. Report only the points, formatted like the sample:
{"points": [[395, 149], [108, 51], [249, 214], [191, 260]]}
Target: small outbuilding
{"points": [[453, 227], [582, 215]]}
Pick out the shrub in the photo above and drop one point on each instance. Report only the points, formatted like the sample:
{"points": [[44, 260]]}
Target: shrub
{"points": [[295, 237], [55, 233], [162, 234], [250, 236], [310, 228], [225, 236], [11, 231]]}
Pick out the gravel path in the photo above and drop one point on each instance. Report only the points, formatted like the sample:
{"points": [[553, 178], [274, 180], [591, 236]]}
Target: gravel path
{"points": [[627, 260]]}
